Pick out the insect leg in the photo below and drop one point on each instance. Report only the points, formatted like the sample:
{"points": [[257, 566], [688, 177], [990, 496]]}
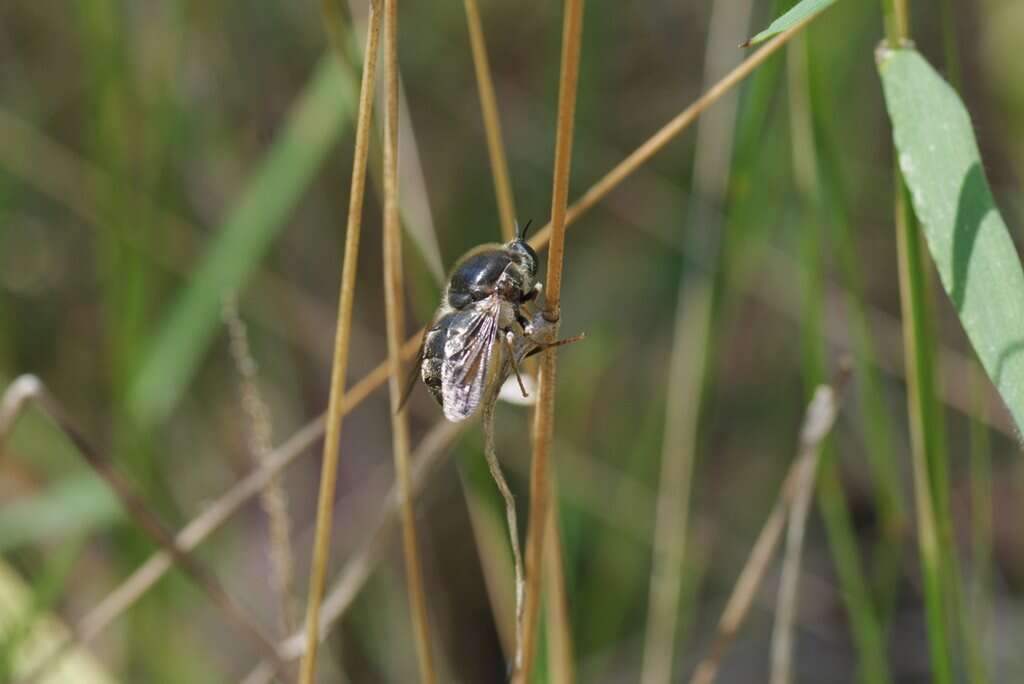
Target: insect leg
{"points": [[508, 337]]}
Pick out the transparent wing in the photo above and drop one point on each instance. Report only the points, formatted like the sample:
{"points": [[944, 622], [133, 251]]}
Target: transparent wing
{"points": [[469, 357]]}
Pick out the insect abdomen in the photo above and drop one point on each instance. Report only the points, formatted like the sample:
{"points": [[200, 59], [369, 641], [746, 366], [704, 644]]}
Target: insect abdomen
{"points": [[433, 356]]}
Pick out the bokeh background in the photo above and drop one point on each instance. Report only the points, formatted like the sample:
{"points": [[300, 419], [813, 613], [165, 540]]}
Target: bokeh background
{"points": [[157, 157]]}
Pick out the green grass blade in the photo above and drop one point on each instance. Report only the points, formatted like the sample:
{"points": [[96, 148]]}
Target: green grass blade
{"points": [[316, 121], [796, 14], [968, 239], [76, 504]]}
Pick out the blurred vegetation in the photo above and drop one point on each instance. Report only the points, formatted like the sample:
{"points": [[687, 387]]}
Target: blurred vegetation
{"points": [[157, 157]]}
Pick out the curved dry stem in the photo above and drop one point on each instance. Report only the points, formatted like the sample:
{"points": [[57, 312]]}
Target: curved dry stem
{"points": [[395, 314], [540, 487], [329, 470], [492, 122], [818, 421], [28, 389]]}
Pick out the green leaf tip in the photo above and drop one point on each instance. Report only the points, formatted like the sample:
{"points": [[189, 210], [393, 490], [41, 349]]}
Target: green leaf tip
{"points": [[968, 240], [798, 13]]}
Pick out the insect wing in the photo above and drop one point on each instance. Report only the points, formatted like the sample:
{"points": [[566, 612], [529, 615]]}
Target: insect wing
{"points": [[469, 354]]}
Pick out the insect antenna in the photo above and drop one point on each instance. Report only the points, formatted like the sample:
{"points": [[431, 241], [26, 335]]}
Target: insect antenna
{"points": [[521, 233]]}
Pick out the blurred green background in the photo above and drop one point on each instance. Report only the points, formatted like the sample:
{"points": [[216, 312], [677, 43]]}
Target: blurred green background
{"points": [[156, 157]]}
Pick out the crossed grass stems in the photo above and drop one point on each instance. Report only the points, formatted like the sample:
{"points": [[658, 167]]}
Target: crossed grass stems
{"points": [[175, 552]]}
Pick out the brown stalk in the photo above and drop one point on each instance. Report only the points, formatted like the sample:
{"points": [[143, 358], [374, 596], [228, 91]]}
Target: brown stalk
{"points": [[492, 122], [329, 469], [818, 421], [29, 389], [395, 314], [214, 516], [561, 667], [543, 426]]}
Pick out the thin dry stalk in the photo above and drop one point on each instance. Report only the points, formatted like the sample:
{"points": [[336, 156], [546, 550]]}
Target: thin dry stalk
{"points": [[818, 421], [428, 456], [487, 422], [782, 635], [492, 122], [677, 125], [329, 470], [395, 314], [686, 373], [260, 438], [561, 668], [543, 429], [29, 389]]}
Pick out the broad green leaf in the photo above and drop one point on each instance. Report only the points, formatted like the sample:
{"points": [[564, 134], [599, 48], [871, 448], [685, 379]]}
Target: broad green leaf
{"points": [[796, 14], [968, 239], [315, 122], [73, 505]]}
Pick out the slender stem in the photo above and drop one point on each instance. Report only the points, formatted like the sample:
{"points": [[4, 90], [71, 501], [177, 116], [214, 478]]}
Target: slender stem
{"points": [[543, 426], [28, 389], [492, 122], [395, 314], [912, 295], [273, 498], [329, 468], [818, 421], [561, 668]]}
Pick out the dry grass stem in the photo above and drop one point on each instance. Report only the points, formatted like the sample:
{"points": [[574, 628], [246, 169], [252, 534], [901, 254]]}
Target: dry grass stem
{"points": [[395, 314], [29, 389], [561, 665], [260, 438], [329, 470], [543, 428], [682, 409], [599, 190], [785, 613], [492, 122], [818, 421], [357, 569]]}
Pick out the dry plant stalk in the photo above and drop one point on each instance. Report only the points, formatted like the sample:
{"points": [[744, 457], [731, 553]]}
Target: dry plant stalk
{"points": [[29, 389], [260, 438], [429, 454], [395, 314], [543, 428], [561, 668], [207, 522], [818, 421], [492, 122], [782, 634], [329, 469]]}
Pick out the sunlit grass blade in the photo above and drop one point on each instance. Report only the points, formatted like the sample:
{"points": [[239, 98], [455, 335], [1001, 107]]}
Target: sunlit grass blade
{"points": [[796, 14], [316, 121], [44, 634], [968, 239]]}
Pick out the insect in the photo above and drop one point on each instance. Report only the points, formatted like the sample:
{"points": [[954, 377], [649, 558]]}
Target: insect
{"points": [[480, 332]]}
